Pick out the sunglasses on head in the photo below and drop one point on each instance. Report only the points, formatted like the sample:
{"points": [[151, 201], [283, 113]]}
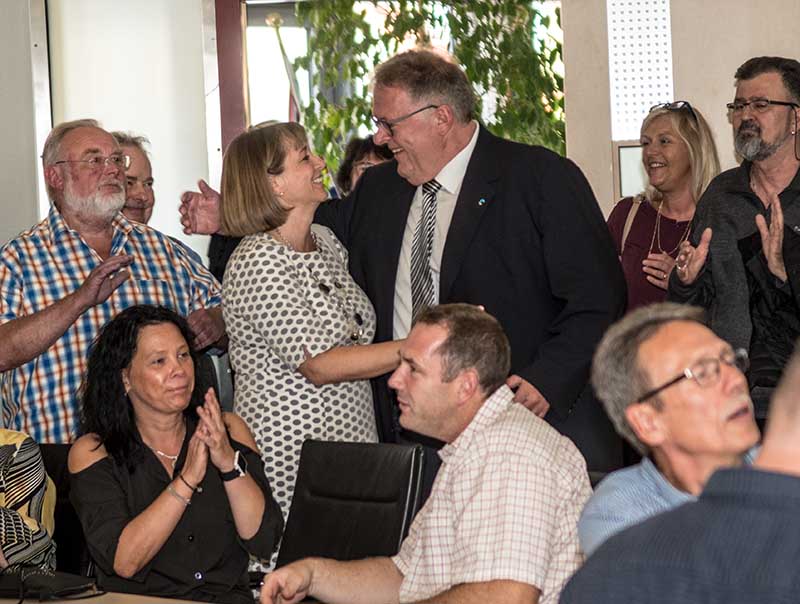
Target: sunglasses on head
{"points": [[676, 106]]}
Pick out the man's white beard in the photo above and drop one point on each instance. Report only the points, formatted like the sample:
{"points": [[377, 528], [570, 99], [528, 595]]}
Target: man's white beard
{"points": [[95, 206]]}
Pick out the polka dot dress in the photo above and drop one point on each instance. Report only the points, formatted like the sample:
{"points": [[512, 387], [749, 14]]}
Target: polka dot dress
{"points": [[277, 305]]}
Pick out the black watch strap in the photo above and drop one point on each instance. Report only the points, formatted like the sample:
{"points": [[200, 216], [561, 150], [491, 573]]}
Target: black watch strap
{"points": [[239, 468]]}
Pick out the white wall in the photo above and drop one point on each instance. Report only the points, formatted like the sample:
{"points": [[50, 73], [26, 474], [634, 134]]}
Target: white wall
{"points": [[18, 163], [710, 39], [137, 66]]}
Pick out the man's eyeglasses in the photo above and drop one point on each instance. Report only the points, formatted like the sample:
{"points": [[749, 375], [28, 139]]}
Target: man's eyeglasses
{"points": [[390, 124], [98, 162], [706, 371], [757, 105], [676, 106]]}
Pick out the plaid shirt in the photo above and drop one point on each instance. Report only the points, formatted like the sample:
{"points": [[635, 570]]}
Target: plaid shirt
{"points": [[50, 261], [504, 506]]}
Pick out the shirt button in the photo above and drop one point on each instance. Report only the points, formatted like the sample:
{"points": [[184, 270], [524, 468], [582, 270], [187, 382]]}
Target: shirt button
{"points": [[190, 537], [198, 575]]}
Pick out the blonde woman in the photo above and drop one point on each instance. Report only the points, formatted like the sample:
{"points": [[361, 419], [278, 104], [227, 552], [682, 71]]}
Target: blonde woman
{"points": [[680, 159]]}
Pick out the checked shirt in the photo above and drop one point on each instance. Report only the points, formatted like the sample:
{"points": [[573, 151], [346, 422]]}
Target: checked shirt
{"points": [[45, 264]]}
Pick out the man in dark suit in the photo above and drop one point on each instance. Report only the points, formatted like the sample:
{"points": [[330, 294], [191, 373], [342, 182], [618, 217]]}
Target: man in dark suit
{"points": [[511, 227], [517, 230]]}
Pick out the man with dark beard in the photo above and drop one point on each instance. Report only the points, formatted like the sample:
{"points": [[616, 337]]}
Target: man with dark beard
{"points": [[742, 260], [64, 278]]}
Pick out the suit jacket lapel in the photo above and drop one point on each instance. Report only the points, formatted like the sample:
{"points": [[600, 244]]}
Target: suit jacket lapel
{"points": [[477, 194]]}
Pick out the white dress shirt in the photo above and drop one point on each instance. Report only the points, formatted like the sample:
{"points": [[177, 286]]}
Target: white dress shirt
{"points": [[451, 178]]}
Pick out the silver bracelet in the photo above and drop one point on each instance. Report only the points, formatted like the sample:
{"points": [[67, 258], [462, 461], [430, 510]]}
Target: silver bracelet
{"points": [[171, 490]]}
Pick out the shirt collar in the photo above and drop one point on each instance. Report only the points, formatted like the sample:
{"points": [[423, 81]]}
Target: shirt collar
{"points": [[664, 487], [59, 227], [56, 224], [741, 182], [452, 175], [492, 408]]}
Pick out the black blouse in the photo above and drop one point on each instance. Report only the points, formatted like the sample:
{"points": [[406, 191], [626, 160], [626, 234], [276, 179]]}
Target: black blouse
{"points": [[204, 558]]}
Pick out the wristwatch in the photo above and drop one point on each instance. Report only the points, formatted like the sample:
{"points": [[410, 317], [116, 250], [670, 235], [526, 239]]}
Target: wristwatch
{"points": [[239, 468]]}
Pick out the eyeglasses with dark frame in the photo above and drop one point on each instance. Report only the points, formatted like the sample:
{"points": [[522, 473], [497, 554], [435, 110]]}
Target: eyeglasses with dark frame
{"points": [[758, 105], [390, 124], [705, 371], [676, 106], [98, 162]]}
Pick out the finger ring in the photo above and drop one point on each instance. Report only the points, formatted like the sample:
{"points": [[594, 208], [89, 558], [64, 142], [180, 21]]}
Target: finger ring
{"points": [[663, 275]]}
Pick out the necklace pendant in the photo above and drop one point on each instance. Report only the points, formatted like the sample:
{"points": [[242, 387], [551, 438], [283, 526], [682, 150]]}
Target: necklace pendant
{"points": [[324, 288]]}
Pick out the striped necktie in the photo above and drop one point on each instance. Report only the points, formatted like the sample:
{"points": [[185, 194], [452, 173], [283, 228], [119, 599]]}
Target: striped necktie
{"points": [[421, 249]]}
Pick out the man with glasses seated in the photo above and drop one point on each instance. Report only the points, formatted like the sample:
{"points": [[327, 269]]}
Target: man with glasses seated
{"points": [[678, 394], [742, 259], [737, 544], [64, 278]]}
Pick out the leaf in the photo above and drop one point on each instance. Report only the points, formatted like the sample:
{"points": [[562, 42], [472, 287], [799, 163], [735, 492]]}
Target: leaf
{"points": [[493, 40]]}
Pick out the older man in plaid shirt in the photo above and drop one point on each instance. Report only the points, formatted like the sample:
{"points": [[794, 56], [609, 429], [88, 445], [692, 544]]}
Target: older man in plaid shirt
{"points": [[67, 276], [501, 522]]}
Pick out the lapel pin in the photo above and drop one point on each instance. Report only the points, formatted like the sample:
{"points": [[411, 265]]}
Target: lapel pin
{"points": [[482, 202], [796, 228]]}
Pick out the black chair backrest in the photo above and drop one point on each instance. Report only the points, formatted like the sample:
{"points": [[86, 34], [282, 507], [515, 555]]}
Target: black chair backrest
{"points": [[72, 554], [352, 500]]}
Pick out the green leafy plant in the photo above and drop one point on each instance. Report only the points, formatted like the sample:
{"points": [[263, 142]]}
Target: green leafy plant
{"points": [[495, 42]]}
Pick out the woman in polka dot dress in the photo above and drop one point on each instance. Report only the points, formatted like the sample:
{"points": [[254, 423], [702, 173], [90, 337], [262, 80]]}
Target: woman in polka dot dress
{"points": [[299, 326]]}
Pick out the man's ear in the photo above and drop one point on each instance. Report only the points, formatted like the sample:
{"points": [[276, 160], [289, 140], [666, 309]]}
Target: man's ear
{"points": [[445, 118], [645, 421], [467, 384], [54, 177]]}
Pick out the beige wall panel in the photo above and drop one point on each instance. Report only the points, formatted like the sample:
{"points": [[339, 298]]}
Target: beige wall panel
{"points": [[710, 39], [586, 94]]}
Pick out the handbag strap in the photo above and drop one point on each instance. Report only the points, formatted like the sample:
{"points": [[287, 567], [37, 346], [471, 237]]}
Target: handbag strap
{"points": [[635, 205]]}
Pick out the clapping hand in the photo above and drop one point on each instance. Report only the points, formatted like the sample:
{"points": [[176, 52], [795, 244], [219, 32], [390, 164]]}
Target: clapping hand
{"points": [[772, 238], [104, 279], [211, 431], [194, 469], [691, 259]]}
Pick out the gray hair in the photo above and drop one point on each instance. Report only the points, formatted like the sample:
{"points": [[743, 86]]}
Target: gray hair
{"points": [[128, 139], [617, 377], [52, 146], [428, 77]]}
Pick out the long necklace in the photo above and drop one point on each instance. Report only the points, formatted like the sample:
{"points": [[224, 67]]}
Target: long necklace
{"points": [[657, 233], [340, 299]]}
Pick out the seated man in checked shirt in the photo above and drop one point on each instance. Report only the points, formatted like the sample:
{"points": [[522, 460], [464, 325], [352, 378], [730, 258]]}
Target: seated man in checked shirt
{"points": [[500, 524], [64, 278]]}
